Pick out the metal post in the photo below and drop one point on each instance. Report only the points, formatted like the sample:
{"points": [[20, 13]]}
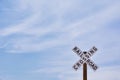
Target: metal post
{"points": [[84, 71]]}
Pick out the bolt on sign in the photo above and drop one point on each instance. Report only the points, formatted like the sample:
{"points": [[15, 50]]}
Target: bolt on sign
{"points": [[85, 58]]}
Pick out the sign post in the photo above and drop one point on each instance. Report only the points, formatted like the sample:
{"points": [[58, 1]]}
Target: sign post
{"points": [[84, 71], [85, 59]]}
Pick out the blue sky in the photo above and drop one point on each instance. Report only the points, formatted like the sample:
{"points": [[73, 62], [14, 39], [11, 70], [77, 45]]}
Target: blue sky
{"points": [[37, 37]]}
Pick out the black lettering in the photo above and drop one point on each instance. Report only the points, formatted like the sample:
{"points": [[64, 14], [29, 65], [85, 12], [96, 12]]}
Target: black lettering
{"points": [[87, 56], [94, 48], [88, 61], [84, 58], [79, 52], [81, 61], [95, 67], [92, 65], [91, 51], [81, 55], [75, 48], [75, 67], [78, 64]]}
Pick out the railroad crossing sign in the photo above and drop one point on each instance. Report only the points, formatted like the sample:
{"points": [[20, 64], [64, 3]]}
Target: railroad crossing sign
{"points": [[85, 59]]}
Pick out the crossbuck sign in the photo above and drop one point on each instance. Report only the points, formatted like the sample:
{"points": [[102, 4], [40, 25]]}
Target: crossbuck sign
{"points": [[85, 58]]}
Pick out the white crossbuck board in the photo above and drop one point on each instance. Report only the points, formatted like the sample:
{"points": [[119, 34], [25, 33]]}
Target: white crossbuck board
{"points": [[85, 58]]}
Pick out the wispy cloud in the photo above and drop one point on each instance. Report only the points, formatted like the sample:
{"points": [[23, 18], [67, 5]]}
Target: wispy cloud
{"points": [[49, 25], [72, 31], [65, 73]]}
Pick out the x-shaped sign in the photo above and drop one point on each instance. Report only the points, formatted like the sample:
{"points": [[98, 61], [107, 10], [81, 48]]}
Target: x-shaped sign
{"points": [[85, 58]]}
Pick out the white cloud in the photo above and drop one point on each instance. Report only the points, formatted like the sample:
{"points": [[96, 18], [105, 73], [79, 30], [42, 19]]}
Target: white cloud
{"points": [[64, 73], [18, 28], [109, 73], [65, 33], [31, 36]]}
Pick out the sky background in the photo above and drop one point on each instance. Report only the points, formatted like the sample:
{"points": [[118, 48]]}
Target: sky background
{"points": [[37, 38]]}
